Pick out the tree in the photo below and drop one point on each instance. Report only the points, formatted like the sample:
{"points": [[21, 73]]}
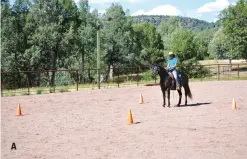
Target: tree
{"points": [[7, 36], [184, 46], [14, 37], [50, 23], [116, 33], [218, 46], [85, 38], [149, 43], [166, 28], [202, 40], [234, 22]]}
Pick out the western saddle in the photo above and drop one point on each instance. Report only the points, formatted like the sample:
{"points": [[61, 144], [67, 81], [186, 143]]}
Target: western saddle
{"points": [[174, 87]]}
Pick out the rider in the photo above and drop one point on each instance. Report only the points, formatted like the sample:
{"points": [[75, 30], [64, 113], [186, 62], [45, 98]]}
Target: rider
{"points": [[171, 66]]}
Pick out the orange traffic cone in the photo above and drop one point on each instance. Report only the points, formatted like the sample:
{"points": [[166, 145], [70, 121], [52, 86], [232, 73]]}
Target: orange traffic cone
{"points": [[19, 110], [130, 119], [141, 101], [234, 106]]}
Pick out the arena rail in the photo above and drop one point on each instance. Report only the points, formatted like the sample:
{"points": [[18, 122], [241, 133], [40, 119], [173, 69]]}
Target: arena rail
{"points": [[63, 80]]}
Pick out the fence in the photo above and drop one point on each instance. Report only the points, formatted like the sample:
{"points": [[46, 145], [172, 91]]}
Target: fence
{"points": [[50, 81]]}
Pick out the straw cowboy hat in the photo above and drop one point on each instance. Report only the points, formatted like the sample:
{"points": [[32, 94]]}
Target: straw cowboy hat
{"points": [[171, 53]]}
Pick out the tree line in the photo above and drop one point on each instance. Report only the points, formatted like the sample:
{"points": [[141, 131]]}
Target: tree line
{"points": [[60, 34], [186, 22]]}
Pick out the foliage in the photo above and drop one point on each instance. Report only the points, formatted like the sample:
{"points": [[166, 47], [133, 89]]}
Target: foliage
{"points": [[234, 22], [149, 43], [202, 40], [218, 46], [186, 22], [60, 34], [183, 44]]}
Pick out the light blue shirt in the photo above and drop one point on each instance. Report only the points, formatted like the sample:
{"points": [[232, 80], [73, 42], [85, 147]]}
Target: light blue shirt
{"points": [[172, 62]]}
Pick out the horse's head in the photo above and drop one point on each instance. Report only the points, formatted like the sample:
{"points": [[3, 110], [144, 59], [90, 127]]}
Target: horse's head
{"points": [[155, 70]]}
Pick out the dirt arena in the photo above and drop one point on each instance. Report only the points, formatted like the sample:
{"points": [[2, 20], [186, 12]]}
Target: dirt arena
{"points": [[93, 124]]}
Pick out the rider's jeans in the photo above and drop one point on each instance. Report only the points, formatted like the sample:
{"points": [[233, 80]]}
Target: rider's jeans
{"points": [[175, 74]]}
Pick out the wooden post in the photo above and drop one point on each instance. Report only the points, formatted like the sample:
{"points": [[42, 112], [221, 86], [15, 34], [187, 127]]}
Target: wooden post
{"points": [[118, 78], [98, 57], [53, 83], [218, 72], [138, 76], [77, 80], [1, 88], [238, 70], [28, 90]]}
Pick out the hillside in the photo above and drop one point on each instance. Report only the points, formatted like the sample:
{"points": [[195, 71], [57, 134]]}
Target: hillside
{"points": [[189, 23]]}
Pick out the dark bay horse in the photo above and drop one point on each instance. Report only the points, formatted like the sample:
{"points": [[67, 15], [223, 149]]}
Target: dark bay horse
{"points": [[167, 84]]}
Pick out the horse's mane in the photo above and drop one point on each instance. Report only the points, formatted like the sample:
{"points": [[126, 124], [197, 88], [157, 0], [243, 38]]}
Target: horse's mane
{"points": [[162, 69]]}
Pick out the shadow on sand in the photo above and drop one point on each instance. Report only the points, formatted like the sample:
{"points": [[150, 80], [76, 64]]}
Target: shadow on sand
{"points": [[194, 105], [137, 122]]}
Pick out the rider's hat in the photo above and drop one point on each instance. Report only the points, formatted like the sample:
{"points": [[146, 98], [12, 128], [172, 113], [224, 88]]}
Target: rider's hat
{"points": [[171, 53]]}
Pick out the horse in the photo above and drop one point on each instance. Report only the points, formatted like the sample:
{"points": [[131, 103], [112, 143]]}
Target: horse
{"points": [[167, 83]]}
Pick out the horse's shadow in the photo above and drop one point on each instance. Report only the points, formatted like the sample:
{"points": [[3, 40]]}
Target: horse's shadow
{"points": [[194, 105]]}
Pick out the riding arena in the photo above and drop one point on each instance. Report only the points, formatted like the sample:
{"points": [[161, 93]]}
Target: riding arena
{"points": [[94, 123]]}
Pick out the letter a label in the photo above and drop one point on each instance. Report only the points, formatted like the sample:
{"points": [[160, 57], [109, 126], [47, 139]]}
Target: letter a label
{"points": [[13, 146]]}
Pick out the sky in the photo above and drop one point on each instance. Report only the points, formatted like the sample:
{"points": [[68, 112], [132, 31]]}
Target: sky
{"points": [[207, 10]]}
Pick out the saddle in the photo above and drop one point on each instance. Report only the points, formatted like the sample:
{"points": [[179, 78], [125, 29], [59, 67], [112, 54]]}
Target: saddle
{"points": [[174, 87]]}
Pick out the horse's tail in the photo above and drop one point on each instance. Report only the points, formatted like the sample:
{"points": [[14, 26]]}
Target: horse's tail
{"points": [[187, 90], [186, 85]]}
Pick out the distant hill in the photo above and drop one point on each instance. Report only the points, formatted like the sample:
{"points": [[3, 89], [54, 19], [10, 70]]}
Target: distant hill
{"points": [[189, 23]]}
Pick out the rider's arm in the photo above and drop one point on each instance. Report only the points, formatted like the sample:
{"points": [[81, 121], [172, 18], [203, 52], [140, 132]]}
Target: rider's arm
{"points": [[174, 66]]}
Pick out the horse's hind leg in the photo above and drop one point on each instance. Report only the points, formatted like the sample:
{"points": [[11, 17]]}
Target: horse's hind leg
{"points": [[168, 96], [180, 97], [185, 95]]}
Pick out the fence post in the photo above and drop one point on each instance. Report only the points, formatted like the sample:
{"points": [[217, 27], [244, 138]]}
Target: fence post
{"points": [[1, 88], [77, 79], [138, 76], [98, 78], [28, 89], [218, 72], [53, 83], [238, 70], [118, 77]]}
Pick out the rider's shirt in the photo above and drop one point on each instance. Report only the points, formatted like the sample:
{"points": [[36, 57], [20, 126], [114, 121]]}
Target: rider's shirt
{"points": [[172, 62]]}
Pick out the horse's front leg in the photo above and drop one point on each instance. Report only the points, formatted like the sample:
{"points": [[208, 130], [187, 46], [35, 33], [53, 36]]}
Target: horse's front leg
{"points": [[164, 96], [168, 96]]}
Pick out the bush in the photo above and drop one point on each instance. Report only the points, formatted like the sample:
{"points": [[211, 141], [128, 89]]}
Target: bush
{"points": [[193, 69], [147, 76], [39, 91], [64, 90], [63, 78]]}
